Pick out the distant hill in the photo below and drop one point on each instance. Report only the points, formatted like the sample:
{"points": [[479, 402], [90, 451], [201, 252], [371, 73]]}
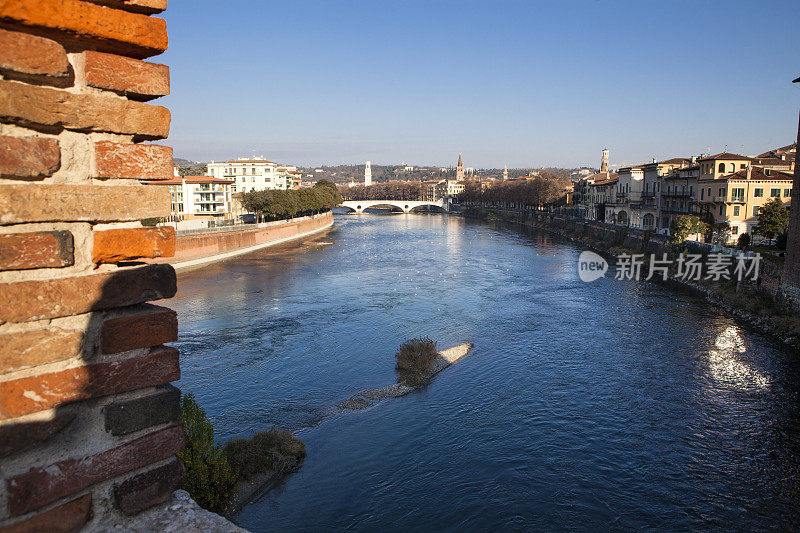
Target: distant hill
{"points": [[189, 168]]}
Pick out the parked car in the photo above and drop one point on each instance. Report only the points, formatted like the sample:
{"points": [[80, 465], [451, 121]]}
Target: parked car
{"points": [[248, 218]]}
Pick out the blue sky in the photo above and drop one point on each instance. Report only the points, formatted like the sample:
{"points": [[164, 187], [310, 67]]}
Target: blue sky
{"points": [[523, 83]]}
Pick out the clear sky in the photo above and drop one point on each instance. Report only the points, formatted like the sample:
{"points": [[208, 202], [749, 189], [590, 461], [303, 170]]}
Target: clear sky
{"points": [[524, 83]]}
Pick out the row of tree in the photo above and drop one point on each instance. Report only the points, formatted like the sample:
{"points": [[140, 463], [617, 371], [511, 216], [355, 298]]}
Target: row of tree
{"points": [[542, 190], [393, 190], [278, 205]]}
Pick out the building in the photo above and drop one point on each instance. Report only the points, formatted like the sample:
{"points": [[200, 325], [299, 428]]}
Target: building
{"points": [[459, 169], [602, 195], [198, 197], [368, 174], [735, 199], [251, 174], [676, 195], [604, 160], [645, 212], [505, 172]]}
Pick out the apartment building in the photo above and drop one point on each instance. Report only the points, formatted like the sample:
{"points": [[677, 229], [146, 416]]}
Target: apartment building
{"points": [[251, 174], [602, 195], [677, 195], [736, 198], [628, 191], [197, 197]]}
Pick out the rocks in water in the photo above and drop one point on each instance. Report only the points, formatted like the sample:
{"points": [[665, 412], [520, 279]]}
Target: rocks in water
{"points": [[369, 397]]}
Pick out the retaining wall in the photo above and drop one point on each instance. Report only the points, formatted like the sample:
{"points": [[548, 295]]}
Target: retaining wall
{"points": [[195, 249]]}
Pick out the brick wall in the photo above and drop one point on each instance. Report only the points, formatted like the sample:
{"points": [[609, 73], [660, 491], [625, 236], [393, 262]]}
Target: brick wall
{"points": [[88, 420]]}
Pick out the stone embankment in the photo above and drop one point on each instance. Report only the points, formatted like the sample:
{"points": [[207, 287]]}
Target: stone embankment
{"points": [[369, 397], [199, 247]]}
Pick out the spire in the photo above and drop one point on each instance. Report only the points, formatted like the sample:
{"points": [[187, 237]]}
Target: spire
{"points": [[505, 172], [460, 169]]}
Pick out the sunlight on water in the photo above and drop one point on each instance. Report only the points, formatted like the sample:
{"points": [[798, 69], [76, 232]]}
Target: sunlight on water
{"points": [[726, 368]]}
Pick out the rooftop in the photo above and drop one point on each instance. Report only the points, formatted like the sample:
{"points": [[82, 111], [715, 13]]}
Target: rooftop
{"points": [[726, 156]]}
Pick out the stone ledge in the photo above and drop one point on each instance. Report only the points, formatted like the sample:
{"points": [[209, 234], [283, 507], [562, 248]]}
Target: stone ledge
{"points": [[178, 514]]}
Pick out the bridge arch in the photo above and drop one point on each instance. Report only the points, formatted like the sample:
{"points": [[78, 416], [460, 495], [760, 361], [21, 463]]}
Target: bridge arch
{"points": [[406, 206]]}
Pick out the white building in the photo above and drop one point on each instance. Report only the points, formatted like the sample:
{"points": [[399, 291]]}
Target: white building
{"points": [[194, 197], [368, 174], [251, 174]]}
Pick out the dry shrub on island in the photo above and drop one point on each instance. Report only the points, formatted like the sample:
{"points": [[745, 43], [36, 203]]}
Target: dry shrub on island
{"points": [[415, 359]]}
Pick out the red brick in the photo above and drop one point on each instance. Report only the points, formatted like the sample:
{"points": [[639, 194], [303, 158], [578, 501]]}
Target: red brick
{"points": [[133, 78], [150, 488], [72, 203], [115, 245], [51, 110], [40, 486], [51, 298], [18, 437], [137, 161], [28, 157], [32, 58], [136, 6], [37, 249], [44, 391], [67, 518], [38, 347], [156, 325], [84, 25]]}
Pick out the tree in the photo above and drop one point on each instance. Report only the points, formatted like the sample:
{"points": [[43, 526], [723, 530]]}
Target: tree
{"points": [[773, 219], [744, 240], [684, 225]]}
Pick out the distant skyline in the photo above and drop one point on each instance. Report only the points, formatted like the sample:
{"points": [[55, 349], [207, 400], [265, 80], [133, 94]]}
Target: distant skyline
{"points": [[522, 83]]}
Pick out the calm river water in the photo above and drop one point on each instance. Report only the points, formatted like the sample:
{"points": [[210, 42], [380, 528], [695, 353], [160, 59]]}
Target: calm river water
{"points": [[610, 405]]}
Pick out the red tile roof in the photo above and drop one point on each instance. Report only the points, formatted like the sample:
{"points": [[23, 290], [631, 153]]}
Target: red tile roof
{"points": [[726, 156]]}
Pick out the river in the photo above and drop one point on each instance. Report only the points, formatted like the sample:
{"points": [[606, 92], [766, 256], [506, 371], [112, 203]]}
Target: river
{"points": [[610, 405]]}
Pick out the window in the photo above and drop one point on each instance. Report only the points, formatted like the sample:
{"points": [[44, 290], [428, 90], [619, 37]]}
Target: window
{"points": [[736, 210], [722, 168], [737, 194], [722, 210], [709, 192], [774, 193], [701, 193], [742, 166], [755, 210], [787, 193], [758, 192], [691, 190], [734, 230]]}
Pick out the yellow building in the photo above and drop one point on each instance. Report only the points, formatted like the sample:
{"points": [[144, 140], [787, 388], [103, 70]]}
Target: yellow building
{"points": [[736, 198]]}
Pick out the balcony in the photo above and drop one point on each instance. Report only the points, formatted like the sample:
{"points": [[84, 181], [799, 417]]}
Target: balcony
{"points": [[737, 200], [648, 194], [720, 199]]}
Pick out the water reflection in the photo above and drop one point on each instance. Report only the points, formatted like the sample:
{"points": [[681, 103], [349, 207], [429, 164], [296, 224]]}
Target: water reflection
{"points": [[726, 366]]}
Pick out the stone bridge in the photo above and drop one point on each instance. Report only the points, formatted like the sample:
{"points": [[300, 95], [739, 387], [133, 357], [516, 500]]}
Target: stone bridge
{"points": [[405, 205]]}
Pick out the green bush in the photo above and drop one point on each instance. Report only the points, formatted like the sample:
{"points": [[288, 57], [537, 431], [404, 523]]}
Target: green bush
{"points": [[744, 240], [415, 360], [209, 477], [150, 221]]}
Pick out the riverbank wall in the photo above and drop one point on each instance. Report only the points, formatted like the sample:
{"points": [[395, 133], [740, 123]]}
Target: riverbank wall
{"points": [[764, 305], [199, 247]]}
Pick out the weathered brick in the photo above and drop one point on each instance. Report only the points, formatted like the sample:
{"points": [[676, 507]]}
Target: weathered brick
{"points": [[28, 157], [51, 109], [84, 25], [137, 161], [136, 6], [18, 437], [127, 416], [51, 298], [37, 249], [32, 58], [40, 486], [38, 347], [149, 488], [115, 245], [44, 391], [73, 203], [133, 78], [67, 518], [152, 326]]}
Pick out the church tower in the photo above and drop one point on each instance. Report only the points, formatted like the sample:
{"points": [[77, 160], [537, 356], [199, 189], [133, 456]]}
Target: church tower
{"points": [[368, 174], [604, 161], [460, 169], [505, 172]]}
